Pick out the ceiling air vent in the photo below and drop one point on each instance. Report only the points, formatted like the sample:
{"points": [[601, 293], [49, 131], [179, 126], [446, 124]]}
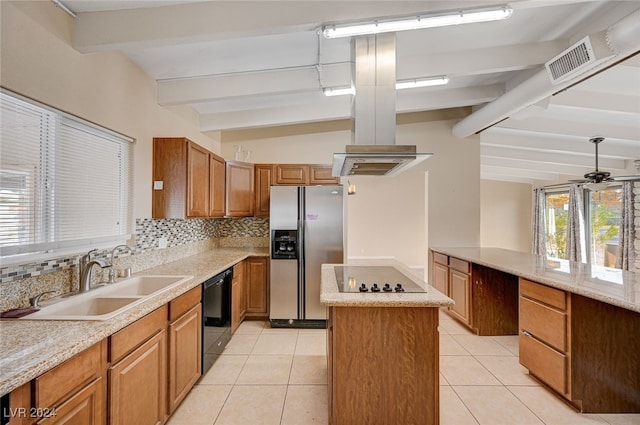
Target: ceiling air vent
{"points": [[576, 60]]}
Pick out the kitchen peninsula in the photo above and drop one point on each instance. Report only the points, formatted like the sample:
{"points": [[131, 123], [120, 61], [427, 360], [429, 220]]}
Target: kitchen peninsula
{"points": [[578, 324], [383, 356]]}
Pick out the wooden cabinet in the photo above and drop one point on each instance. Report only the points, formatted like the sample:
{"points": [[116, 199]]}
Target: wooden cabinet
{"points": [[74, 391], [460, 289], [19, 405], [138, 372], [291, 174], [262, 187], [543, 336], [187, 180], [304, 174], [257, 270], [239, 189], [486, 300], [321, 174], [198, 191], [580, 348], [217, 184], [267, 175], [440, 277], [364, 389], [185, 345], [238, 295]]}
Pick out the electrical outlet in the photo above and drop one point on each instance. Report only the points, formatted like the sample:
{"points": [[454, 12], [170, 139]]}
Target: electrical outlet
{"points": [[162, 243]]}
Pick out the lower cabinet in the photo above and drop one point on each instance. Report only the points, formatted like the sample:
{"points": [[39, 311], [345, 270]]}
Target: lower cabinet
{"points": [[257, 275], [486, 300], [238, 295], [543, 341], [581, 348], [138, 372], [73, 392], [185, 345], [460, 291]]}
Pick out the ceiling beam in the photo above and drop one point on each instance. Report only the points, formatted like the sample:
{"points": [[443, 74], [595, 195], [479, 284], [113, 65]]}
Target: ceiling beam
{"points": [[508, 155], [219, 20]]}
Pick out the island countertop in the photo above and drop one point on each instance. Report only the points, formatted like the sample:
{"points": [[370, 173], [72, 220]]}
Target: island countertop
{"points": [[612, 286], [331, 296]]}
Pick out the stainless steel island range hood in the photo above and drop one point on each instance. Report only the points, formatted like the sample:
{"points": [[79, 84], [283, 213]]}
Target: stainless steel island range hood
{"points": [[373, 151]]}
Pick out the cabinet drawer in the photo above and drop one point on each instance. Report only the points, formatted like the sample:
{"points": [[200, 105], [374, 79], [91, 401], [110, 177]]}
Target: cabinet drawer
{"points": [[544, 323], [546, 295], [184, 302], [57, 384], [127, 339], [460, 265], [441, 258], [544, 362]]}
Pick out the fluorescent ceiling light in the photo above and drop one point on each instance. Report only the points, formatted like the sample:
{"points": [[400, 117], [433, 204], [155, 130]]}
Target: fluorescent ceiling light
{"points": [[338, 91], [418, 22], [403, 84], [421, 82]]}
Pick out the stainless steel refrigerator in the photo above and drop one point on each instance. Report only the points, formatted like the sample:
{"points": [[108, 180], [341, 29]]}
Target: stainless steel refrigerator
{"points": [[306, 231]]}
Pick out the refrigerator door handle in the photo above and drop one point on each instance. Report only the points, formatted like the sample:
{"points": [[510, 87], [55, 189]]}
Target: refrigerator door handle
{"points": [[301, 256]]}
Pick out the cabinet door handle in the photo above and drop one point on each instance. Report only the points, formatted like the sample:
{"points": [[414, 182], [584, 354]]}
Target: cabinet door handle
{"points": [[526, 333]]}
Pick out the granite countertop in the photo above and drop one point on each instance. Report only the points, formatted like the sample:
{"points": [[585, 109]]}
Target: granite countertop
{"points": [[612, 286], [31, 347], [330, 295]]}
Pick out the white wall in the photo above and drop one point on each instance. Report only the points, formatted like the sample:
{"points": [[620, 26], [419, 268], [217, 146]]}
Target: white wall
{"points": [[108, 89], [397, 216], [505, 215]]}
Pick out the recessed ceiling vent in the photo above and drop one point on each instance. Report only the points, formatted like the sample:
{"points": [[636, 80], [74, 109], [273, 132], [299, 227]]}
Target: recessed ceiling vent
{"points": [[577, 59]]}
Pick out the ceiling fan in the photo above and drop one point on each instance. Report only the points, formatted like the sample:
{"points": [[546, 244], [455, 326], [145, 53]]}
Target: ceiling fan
{"points": [[597, 179]]}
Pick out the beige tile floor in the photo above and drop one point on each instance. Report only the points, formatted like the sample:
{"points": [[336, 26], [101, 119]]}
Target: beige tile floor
{"points": [[278, 377]]}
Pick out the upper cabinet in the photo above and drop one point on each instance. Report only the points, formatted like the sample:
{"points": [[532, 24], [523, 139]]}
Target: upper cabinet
{"points": [[303, 174], [188, 180], [321, 174], [263, 181], [217, 172], [291, 174], [240, 196]]}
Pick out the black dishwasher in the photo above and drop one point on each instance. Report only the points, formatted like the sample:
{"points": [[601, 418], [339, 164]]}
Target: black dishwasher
{"points": [[216, 317]]}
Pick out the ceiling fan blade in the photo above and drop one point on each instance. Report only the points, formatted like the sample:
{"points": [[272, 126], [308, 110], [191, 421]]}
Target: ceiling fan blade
{"points": [[635, 178]]}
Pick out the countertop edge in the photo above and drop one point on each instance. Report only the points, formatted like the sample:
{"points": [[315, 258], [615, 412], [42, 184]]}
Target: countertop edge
{"points": [[549, 281]]}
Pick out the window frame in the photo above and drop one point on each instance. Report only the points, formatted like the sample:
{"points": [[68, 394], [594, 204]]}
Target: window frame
{"points": [[68, 130]]}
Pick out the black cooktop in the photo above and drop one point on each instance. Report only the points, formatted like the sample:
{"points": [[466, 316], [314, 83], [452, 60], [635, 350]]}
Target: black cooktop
{"points": [[374, 279]]}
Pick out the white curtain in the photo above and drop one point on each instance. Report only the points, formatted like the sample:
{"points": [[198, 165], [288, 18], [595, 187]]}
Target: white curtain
{"points": [[576, 250], [627, 237], [539, 228]]}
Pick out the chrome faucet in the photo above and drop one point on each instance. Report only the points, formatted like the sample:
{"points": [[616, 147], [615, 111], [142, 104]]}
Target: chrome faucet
{"points": [[112, 270], [84, 268]]}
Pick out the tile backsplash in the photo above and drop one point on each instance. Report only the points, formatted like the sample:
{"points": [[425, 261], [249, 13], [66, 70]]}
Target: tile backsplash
{"points": [[20, 282]]}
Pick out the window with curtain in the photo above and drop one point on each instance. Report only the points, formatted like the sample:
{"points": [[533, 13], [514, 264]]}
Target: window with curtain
{"points": [[65, 183], [557, 215], [604, 211], [602, 216]]}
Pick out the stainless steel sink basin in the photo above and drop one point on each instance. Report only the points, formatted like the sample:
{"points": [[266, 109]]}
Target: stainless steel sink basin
{"points": [[107, 301]]}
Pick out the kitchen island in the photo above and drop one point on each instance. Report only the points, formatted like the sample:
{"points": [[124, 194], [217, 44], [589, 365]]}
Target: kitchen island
{"points": [[578, 324], [383, 356]]}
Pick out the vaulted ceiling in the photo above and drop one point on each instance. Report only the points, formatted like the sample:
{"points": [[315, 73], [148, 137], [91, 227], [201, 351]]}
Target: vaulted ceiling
{"points": [[252, 64]]}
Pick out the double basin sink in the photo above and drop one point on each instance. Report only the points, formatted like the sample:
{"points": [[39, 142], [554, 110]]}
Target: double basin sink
{"points": [[109, 300]]}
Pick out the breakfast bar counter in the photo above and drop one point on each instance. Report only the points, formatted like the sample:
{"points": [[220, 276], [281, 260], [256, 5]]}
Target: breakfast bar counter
{"points": [[382, 346]]}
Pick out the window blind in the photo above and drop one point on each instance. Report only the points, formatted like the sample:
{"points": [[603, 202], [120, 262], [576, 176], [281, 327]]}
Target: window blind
{"points": [[65, 183]]}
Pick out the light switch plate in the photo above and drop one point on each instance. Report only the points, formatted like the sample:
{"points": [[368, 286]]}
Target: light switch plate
{"points": [[158, 185]]}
